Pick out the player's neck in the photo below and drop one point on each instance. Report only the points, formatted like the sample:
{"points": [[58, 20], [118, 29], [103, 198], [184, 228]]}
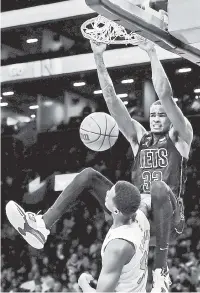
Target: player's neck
{"points": [[117, 222], [157, 136]]}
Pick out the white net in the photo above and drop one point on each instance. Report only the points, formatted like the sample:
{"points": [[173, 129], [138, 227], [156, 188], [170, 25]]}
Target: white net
{"points": [[103, 30]]}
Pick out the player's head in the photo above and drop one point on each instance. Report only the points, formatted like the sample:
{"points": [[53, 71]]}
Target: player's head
{"points": [[159, 122], [123, 198]]}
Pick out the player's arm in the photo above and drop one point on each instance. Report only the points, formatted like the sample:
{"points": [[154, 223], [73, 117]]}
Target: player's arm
{"points": [[117, 254], [164, 91], [131, 129]]}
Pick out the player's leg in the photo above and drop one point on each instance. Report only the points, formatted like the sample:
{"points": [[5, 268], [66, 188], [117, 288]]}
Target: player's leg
{"points": [[88, 179], [163, 207], [35, 228], [178, 215]]}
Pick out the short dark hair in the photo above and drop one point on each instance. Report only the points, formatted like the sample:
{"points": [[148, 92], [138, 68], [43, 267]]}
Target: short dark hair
{"points": [[158, 102], [127, 198]]}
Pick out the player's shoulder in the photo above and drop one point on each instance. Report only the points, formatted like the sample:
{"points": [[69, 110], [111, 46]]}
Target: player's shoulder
{"points": [[120, 248], [118, 253], [146, 138], [118, 244], [177, 137], [183, 146]]}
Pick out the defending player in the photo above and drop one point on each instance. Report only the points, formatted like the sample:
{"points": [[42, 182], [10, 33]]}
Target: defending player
{"points": [[125, 248], [158, 170]]}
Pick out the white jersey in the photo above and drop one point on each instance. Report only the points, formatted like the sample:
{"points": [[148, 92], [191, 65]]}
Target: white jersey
{"points": [[134, 274]]}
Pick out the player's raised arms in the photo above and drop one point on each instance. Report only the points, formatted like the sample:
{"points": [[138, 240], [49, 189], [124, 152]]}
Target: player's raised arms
{"points": [[131, 129]]}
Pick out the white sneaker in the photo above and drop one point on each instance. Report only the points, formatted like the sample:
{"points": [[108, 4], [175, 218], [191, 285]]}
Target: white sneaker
{"points": [[161, 281], [29, 225]]}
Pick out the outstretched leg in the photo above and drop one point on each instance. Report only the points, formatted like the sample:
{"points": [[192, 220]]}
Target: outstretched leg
{"points": [[35, 228], [88, 179]]}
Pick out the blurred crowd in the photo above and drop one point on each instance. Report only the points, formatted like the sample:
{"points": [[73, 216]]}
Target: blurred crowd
{"points": [[75, 241], [17, 4], [74, 247]]}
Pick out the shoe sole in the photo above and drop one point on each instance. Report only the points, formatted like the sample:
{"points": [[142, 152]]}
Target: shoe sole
{"points": [[17, 218]]}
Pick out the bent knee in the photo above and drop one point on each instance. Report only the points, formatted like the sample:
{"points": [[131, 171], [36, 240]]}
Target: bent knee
{"points": [[88, 173]]}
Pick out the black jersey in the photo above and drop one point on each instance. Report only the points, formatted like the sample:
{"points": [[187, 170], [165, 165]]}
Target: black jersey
{"points": [[159, 161]]}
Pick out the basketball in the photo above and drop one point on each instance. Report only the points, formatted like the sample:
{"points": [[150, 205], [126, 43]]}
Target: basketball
{"points": [[99, 131]]}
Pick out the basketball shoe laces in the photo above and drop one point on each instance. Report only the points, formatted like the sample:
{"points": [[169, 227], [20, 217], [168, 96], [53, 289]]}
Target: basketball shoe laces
{"points": [[36, 222]]}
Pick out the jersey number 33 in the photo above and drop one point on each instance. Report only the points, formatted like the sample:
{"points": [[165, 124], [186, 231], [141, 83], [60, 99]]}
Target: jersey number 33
{"points": [[148, 177]]}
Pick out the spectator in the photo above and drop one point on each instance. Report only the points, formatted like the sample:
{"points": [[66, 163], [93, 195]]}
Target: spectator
{"points": [[57, 287], [73, 285], [73, 264]]}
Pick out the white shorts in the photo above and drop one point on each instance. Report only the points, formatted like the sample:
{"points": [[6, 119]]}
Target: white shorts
{"points": [[146, 199]]}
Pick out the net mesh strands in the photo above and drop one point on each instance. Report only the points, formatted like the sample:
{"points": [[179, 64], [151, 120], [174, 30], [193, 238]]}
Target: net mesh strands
{"points": [[102, 30]]}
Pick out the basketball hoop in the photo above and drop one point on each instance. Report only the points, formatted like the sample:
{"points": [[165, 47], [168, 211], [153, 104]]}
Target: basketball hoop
{"points": [[102, 30]]}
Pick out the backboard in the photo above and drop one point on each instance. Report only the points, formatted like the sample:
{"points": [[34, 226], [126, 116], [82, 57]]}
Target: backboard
{"points": [[136, 16]]}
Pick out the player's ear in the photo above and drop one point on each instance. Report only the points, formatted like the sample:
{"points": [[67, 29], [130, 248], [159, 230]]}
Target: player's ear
{"points": [[116, 211]]}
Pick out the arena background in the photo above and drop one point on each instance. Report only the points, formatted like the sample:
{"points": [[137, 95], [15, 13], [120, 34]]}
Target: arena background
{"points": [[49, 84]]}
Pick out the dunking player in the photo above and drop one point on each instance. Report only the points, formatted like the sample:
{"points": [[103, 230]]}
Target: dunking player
{"points": [[160, 155], [158, 170], [125, 249]]}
